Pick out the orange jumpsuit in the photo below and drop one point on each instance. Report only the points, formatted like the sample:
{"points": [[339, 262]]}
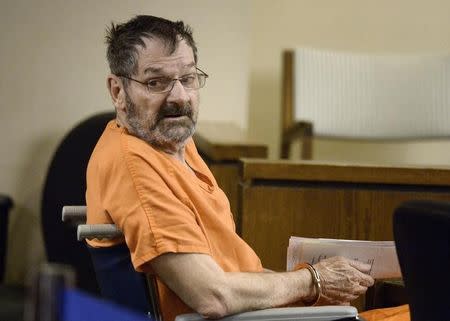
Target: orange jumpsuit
{"points": [[162, 207]]}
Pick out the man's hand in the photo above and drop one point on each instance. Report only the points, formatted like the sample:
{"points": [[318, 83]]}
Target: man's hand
{"points": [[343, 280]]}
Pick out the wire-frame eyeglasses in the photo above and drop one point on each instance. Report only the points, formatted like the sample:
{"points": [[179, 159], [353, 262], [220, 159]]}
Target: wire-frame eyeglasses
{"points": [[161, 85]]}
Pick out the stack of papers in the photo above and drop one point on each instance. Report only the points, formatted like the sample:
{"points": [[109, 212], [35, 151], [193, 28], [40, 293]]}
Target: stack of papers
{"points": [[381, 255]]}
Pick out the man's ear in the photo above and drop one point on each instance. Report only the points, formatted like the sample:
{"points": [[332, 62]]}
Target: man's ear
{"points": [[117, 92]]}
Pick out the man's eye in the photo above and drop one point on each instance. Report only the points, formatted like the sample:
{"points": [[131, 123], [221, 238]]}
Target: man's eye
{"points": [[157, 83], [190, 79]]}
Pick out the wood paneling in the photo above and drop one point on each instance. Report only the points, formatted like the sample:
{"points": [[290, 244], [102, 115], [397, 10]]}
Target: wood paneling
{"points": [[227, 176], [221, 145], [271, 214], [279, 199]]}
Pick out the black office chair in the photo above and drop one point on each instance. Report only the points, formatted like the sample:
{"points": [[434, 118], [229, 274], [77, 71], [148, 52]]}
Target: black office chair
{"points": [[69, 164], [422, 237]]}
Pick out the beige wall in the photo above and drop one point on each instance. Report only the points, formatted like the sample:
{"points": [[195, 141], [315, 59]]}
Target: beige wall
{"points": [[359, 25], [52, 71]]}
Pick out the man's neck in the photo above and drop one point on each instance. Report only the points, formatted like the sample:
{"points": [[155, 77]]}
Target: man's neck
{"points": [[177, 153]]}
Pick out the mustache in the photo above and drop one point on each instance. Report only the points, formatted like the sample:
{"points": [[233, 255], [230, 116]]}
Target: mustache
{"points": [[172, 109]]}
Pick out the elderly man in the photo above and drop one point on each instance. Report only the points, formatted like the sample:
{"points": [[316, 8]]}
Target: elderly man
{"points": [[146, 176]]}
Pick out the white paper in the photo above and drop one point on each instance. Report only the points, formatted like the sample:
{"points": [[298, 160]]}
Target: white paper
{"points": [[381, 255]]}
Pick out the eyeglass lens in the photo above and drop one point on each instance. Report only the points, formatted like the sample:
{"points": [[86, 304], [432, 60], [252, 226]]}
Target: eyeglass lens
{"points": [[159, 85]]}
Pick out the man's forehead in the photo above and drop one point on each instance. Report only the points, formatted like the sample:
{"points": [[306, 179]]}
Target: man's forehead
{"points": [[157, 56]]}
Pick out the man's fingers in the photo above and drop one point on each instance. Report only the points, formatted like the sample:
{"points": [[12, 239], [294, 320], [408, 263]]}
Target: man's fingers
{"points": [[361, 266], [359, 289], [338, 298], [364, 269], [366, 280]]}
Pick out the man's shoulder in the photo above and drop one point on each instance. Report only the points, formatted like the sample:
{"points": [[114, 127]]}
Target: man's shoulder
{"points": [[117, 148], [108, 144], [115, 141]]}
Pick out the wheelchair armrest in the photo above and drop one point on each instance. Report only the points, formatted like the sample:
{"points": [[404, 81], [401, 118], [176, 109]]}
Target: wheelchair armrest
{"points": [[322, 313], [74, 214], [98, 231]]}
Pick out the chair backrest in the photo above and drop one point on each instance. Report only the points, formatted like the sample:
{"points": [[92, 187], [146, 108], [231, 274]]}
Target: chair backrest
{"points": [[120, 283], [66, 184], [117, 279], [367, 96], [422, 237]]}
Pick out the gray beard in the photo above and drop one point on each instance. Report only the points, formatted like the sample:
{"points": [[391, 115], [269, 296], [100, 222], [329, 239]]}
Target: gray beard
{"points": [[165, 135]]}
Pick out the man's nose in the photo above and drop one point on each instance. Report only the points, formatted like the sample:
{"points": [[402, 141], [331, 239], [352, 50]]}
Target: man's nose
{"points": [[178, 94]]}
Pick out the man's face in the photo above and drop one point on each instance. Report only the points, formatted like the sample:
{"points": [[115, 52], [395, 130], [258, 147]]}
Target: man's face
{"points": [[165, 120]]}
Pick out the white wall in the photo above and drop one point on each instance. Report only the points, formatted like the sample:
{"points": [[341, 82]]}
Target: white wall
{"points": [[53, 70]]}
